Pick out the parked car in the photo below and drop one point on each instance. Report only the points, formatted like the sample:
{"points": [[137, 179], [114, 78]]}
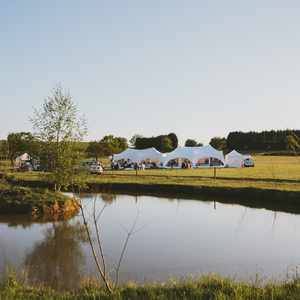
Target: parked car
{"points": [[96, 168], [91, 166], [249, 163]]}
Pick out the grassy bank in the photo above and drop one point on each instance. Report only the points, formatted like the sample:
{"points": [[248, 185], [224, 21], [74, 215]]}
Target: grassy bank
{"points": [[275, 196], [34, 202], [206, 288]]}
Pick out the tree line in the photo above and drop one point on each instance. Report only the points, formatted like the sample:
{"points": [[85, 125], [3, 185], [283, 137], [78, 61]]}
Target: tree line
{"points": [[273, 140], [280, 140], [57, 126]]}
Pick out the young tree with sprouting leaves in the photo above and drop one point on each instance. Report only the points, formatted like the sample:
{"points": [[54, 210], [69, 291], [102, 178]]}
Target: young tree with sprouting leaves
{"points": [[59, 127]]}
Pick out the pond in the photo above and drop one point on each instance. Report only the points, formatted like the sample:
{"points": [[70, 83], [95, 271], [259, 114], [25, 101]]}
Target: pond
{"points": [[171, 238]]}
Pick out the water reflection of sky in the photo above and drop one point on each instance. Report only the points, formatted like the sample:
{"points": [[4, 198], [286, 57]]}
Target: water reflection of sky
{"points": [[173, 238]]}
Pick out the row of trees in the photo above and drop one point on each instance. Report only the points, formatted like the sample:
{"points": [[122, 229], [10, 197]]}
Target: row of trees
{"points": [[107, 146], [278, 140], [59, 131], [21, 142]]}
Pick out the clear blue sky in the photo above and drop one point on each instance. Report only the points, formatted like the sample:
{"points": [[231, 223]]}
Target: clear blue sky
{"points": [[197, 68]]}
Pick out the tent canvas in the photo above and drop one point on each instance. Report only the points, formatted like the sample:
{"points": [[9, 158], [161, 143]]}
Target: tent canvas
{"points": [[138, 155], [235, 159], [22, 158], [193, 154]]}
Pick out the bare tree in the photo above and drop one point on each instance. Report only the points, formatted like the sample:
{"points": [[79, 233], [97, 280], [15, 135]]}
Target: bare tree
{"points": [[101, 268], [96, 245]]}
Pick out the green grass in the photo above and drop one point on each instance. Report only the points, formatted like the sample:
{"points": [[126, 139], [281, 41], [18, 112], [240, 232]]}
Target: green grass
{"points": [[266, 168], [206, 288], [270, 172], [195, 182]]}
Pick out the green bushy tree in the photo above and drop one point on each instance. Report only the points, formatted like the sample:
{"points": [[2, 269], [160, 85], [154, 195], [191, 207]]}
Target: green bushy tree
{"points": [[190, 143], [218, 143], [21, 142]]}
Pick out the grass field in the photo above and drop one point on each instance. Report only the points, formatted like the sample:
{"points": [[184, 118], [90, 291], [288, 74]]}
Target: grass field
{"points": [[267, 168], [273, 168], [270, 172]]}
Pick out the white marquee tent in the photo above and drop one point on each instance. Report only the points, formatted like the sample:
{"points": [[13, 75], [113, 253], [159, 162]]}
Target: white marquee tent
{"points": [[138, 155], [235, 159], [193, 154]]}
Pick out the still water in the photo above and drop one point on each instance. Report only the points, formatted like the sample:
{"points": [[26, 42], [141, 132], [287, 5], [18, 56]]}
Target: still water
{"points": [[171, 238]]}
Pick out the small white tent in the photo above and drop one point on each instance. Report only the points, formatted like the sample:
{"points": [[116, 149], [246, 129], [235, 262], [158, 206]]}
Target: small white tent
{"points": [[235, 159], [138, 155], [22, 158], [193, 154]]}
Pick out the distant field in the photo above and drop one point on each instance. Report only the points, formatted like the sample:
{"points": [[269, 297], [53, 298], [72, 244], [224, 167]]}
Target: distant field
{"points": [[271, 168], [281, 173], [267, 168]]}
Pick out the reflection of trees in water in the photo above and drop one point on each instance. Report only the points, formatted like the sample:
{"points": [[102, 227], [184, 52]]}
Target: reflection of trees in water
{"points": [[15, 220], [274, 220], [56, 261], [3, 258], [108, 197]]}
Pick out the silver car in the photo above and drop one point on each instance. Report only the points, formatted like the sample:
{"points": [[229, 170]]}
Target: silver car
{"points": [[249, 163], [95, 168]]}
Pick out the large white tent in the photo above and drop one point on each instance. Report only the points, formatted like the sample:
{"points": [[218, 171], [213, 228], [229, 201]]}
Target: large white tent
{"points": [[138, 155], [193, 154], [235, 159]]}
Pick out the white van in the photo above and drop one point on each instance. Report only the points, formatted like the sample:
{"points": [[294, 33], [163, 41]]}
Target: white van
{"points": [[95, 168], [91, 166]]}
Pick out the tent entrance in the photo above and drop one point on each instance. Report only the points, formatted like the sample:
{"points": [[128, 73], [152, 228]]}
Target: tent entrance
{"points": [[180, 163], [209, 162]]}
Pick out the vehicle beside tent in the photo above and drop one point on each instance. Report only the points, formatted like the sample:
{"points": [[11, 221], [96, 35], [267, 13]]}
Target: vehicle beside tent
{"points": [[235, 159], [90, 165]]}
